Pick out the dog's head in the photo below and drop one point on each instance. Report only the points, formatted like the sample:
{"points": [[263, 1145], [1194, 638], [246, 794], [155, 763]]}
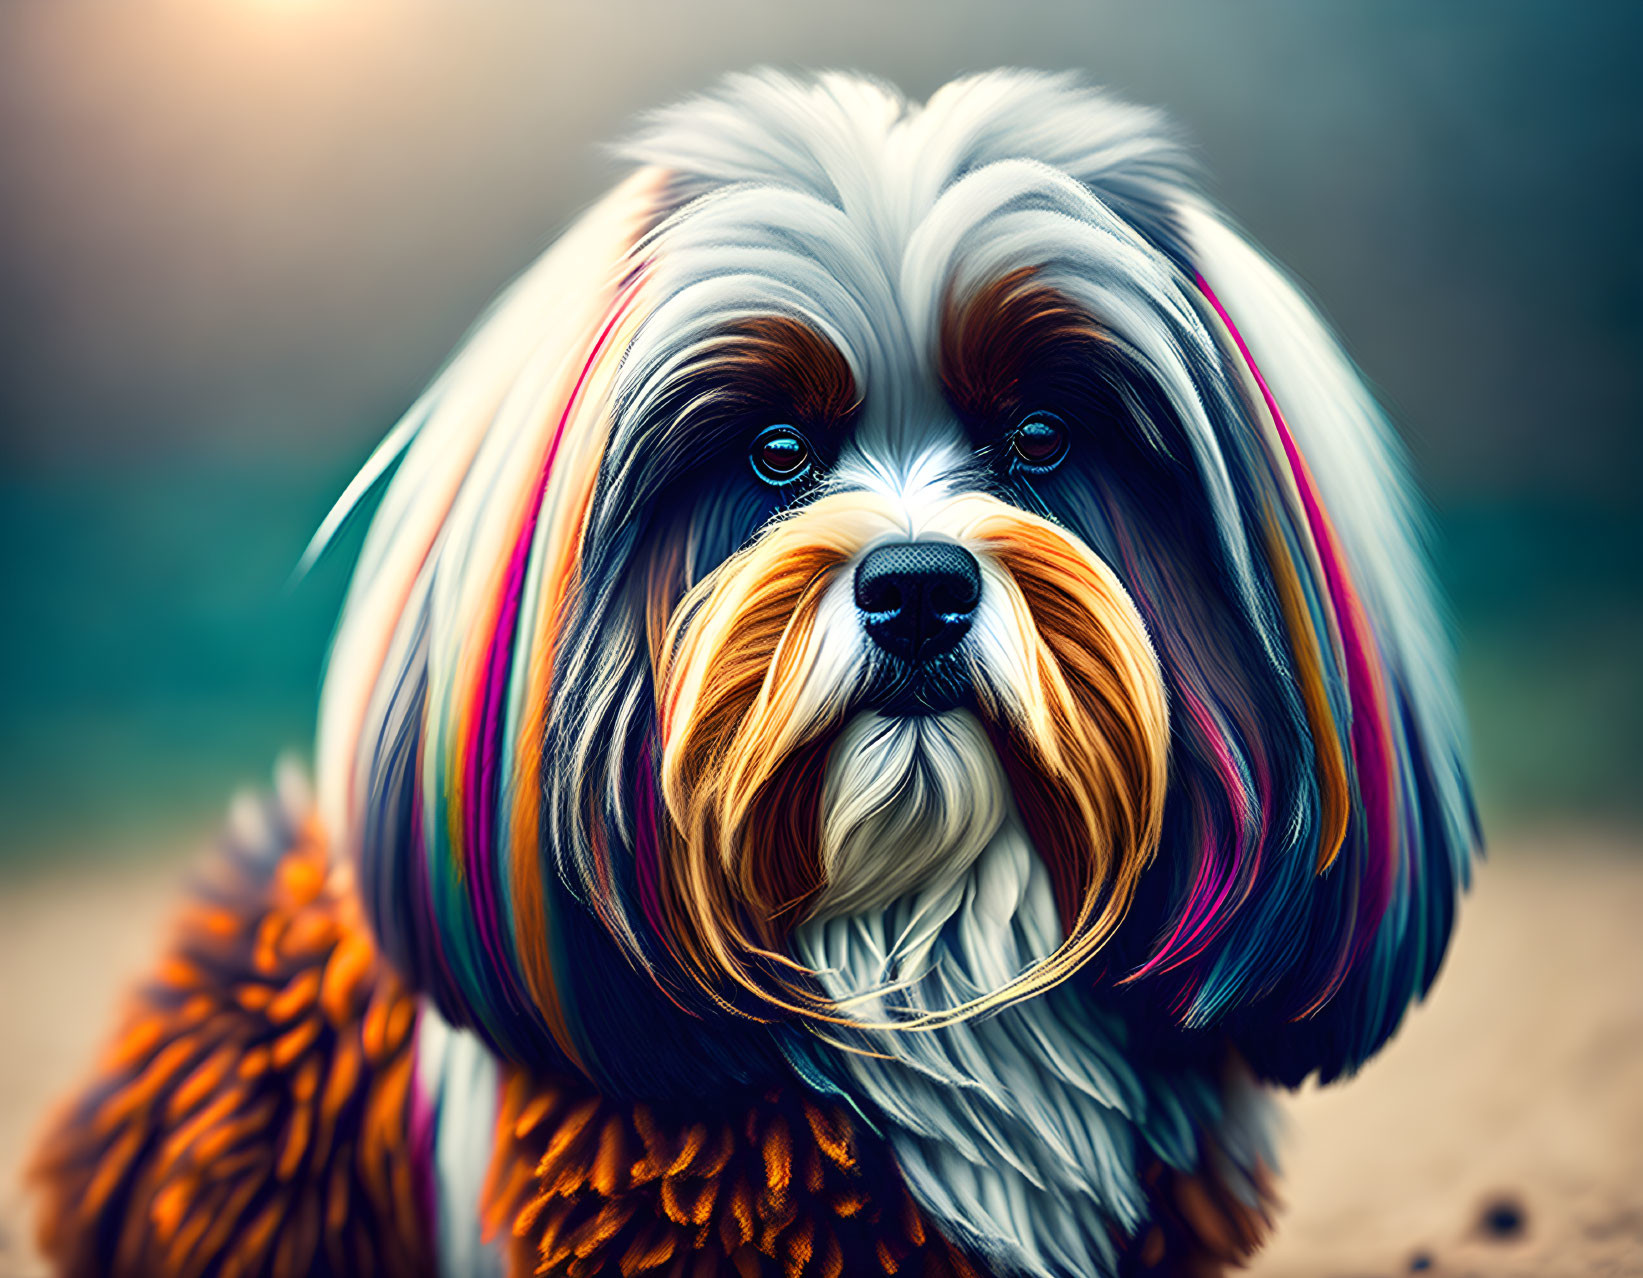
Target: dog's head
{"points": [[856, 479]]}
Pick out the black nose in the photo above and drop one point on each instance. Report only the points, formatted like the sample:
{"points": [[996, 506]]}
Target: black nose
{"points": [[918, 598]]}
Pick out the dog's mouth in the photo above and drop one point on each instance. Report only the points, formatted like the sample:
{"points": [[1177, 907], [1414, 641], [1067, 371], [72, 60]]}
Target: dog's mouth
{"points": [[902, 689]]}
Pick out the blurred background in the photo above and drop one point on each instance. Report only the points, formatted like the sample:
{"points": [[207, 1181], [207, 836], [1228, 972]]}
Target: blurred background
{"points": [[237, 236]]}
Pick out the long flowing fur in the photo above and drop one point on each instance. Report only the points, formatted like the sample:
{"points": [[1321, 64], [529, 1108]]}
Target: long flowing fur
{"points": [[611, 750], [1065, 673], [1026, 1133]]}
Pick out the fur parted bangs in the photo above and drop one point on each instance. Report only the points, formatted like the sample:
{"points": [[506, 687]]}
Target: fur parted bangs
{"points": [[603, 730]]}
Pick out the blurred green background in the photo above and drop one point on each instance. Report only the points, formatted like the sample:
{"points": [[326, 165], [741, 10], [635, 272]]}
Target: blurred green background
{"points": [[236, 236]]}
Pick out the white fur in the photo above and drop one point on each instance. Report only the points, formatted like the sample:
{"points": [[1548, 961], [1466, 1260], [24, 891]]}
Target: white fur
{"points": [[1019, 1133], [458, 1079], [908, 803]]}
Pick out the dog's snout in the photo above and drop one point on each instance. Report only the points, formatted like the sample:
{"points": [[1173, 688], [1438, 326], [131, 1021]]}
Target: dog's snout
{"points": [[918, 598]]}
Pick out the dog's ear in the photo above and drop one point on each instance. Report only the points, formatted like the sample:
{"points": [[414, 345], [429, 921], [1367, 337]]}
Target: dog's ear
{"points": [[1321, 897], [431, 720], [1320, 823]]}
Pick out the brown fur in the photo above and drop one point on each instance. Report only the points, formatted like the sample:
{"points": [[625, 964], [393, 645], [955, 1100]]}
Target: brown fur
{"points": [[775, 1185], [250, 1118], [1010, 337]]}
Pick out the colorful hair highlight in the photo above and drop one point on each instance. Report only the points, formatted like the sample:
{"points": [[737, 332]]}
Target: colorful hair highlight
{"points": [[451, 628]]}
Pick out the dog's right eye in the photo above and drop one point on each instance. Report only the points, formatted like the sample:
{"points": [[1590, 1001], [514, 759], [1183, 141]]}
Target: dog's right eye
{"points": [[781, 456]]}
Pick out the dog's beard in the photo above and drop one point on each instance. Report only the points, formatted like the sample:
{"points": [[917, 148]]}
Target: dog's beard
{"points": [[908, 802], [1015, 1130], [791, 799], [898, 875], [1023, 1133]]}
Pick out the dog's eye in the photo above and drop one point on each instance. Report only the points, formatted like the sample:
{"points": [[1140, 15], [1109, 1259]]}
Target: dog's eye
{"points": [[781, 456], [1039, 443]]}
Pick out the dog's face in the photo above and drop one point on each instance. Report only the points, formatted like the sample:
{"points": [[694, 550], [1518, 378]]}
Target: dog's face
{"points": [[861, 486], [877, 622]]}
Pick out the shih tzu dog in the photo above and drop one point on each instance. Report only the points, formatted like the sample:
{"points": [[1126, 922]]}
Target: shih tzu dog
{"points": [[890, 699]]}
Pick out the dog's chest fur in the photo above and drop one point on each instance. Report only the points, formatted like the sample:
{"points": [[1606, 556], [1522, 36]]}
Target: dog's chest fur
{"points": [[1025, 1134]]}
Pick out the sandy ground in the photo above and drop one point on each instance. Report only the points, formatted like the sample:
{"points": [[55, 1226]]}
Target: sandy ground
{"points": [[1517, 1091]]}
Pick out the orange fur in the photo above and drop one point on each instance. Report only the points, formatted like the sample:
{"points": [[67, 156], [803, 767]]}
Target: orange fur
{"points": [[771, 1185], [251, 1115], [1086, 726]]}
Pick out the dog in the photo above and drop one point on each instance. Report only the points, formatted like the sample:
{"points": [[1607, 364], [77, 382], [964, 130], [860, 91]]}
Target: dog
{"points": [[891, 699]]}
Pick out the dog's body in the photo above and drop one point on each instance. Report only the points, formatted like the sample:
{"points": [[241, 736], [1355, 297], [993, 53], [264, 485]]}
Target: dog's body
{"points": [[892, 693]]}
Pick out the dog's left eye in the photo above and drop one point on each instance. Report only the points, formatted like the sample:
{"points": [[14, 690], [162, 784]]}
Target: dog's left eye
{"points": [[1039, 443], [781, 456]]}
